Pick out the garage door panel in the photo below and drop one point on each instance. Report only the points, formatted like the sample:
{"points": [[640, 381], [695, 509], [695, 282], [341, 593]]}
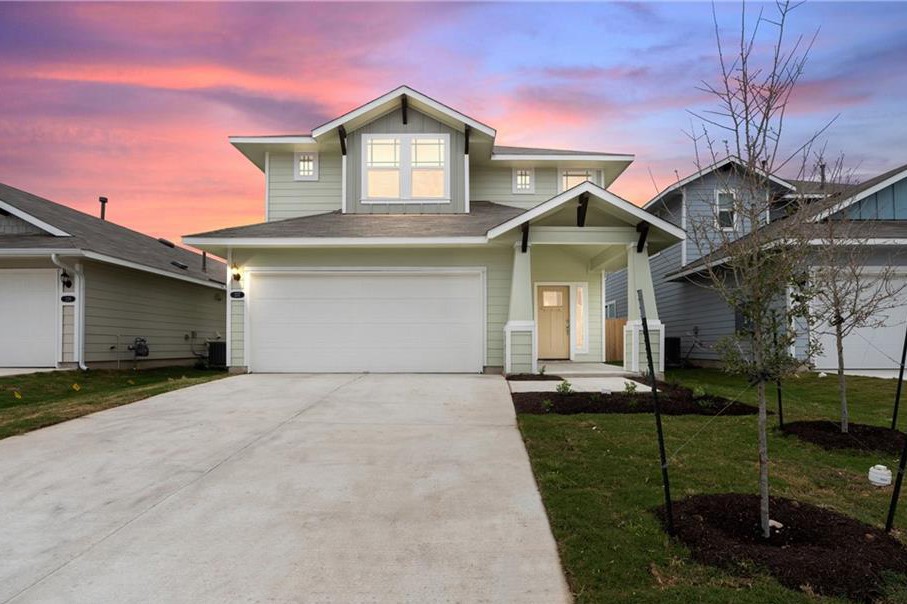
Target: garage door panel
{"points": [[391, 322], [28, 306]]}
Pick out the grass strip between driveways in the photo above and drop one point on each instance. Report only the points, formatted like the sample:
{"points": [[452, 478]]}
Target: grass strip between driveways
{"points": [[599, 478], [36, 400]]}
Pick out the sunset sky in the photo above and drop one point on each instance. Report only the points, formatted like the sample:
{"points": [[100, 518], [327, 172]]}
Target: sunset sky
{"points": [[136, 101]]}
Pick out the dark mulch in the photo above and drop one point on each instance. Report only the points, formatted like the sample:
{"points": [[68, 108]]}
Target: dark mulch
{"points": [[817, 549], [534, 377], [674, 400], [828, 435]]}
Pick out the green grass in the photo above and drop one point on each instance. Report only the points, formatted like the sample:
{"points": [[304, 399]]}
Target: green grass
{"points": [[36, 400], [599, 478]]}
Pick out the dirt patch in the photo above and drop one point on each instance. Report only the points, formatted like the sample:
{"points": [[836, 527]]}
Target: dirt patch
{"points": [[533, 377], [828, 435], [674, 400], [817, 550]]}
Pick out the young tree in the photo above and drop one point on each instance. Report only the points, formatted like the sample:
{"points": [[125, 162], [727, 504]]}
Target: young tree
{"points": [[752, 264], [849, 293]]}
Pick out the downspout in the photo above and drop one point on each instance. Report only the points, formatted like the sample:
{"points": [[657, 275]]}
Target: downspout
{"points": [[79, 344]]}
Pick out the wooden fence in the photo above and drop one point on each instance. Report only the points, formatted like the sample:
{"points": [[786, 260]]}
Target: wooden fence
{"points": [[614, 339]]}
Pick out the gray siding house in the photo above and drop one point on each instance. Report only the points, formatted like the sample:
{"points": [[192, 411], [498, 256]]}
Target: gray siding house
{"points": [[699, 317], [400, 237], [76, 290]]}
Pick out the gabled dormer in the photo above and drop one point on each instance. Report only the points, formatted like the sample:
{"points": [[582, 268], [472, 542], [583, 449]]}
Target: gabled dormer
{"points": [[405, 152]]}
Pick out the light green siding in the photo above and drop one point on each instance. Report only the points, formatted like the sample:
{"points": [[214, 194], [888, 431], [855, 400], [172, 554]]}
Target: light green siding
{"points": [[521, 352], [122, 304], [496, 260], [68, 333], [417, 123], [289, 198], [237, 333], [495, 183]]}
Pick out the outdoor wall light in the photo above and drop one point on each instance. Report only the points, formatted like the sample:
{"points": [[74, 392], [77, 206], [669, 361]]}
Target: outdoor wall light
{"points": [[237, 275], [66, 280]]}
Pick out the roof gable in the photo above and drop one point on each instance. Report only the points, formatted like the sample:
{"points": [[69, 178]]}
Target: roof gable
{"points": [[862, 191], [392, 100]]}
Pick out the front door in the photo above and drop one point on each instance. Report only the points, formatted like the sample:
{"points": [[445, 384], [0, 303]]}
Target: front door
{"points": [[554, 322]]}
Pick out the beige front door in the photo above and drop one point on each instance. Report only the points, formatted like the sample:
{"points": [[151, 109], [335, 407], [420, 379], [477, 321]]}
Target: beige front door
{"points": [[554, 322]]}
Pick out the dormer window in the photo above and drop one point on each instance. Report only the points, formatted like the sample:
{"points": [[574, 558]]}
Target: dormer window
{"points": [[306, 165], [523, 180], [405, 168], [577, 176], [725, 214]]}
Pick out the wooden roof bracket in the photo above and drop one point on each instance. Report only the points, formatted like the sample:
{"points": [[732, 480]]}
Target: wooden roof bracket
{"points": [[581, 210], [341, 131], [524, 246], [643, 229]]}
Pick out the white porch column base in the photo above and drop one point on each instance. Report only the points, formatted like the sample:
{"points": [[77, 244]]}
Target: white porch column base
{"points": [[519, 347], [635, 347]]}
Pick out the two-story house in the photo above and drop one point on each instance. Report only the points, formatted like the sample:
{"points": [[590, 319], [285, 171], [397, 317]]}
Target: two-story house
{"points": [[400, 238], [698, 317]]}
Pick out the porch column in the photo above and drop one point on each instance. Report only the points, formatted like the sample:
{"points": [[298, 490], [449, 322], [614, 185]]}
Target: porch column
{"points": [[639, 277], [519, 331]]}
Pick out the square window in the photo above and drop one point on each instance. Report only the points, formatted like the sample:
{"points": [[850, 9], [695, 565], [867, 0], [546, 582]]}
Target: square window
{"points": [[523, 180], [306, 166], [552, 299]]}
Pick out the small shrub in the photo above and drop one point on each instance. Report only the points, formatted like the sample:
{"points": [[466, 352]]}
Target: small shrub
{"points": [[547, 405], [595, 397], [564, 387], [698, 392], [629, 387], [542, 370]]}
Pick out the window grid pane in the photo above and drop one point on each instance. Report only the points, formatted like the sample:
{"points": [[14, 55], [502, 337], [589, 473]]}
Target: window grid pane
{"points": [[383, 153], [306, 165], [576, 177], [428, 153], [523, 180]]}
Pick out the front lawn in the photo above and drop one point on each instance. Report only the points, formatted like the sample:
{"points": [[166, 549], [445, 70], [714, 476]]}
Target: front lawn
{"points": [[599, 477], [36, 400]]}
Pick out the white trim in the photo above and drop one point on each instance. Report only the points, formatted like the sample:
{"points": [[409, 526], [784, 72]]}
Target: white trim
{"points": [[708, 170], [513, 181], [466, 183], [595, 190], [481, 271], [603, 315], [520, 326], [594, 173], [859, 196], [561, 157], [683, 225], [343, 205], [858, 241], [282, 139], [405, 169], [733, 210], [394, 94], [267, 186], [22, 215], [229, 306], [299, 177], [335, 241]]}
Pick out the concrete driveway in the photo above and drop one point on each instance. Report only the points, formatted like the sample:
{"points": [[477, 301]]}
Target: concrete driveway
{"points": [[281, 488]]}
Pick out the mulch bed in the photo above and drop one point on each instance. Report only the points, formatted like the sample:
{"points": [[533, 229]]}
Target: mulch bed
{"points": [[817, 550], [673, 400], [828, 435], [534, 377]]}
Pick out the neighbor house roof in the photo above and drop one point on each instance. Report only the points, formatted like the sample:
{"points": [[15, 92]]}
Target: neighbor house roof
{"points": [[707, 170], [70, 232], [482, 216], [505, 152]]}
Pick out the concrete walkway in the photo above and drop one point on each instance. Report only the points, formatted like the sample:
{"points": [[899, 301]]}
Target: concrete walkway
{"points": [[8, 371], [281, 488]]}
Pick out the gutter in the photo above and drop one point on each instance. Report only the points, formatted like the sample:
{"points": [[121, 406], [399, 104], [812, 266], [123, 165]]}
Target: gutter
{"points": [[79, 344]]}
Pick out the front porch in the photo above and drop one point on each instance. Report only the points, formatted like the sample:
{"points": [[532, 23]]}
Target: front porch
{"points": [[556, 317]]}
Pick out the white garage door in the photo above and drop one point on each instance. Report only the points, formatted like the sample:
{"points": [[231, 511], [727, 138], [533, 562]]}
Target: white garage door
{"points": [[28, 318], [868, 348], [366, 321]]}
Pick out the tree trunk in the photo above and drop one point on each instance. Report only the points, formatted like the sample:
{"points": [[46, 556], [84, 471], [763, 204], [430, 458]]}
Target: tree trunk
{"points": [[763, 461], [842, 381]]}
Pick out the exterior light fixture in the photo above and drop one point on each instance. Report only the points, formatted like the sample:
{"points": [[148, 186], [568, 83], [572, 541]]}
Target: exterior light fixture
{"points": [[66, 280], [237, 275]]}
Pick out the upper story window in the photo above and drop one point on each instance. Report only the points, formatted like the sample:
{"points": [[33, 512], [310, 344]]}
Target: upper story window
{"points": [[406, 168], [306, 166], [575, 176], [725, 213], [523, 180]]}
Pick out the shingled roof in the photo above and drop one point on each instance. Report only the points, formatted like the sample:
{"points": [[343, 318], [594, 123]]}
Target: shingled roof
{"points": [[482, 216], [90, 234]]}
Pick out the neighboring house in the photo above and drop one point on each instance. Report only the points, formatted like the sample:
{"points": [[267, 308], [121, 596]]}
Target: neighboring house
{"points": [[76, 290], [699, 317], [399, 237]]}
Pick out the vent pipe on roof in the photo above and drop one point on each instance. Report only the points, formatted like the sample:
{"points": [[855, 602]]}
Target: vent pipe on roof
{"points": [[204, 262], [103, 201]]}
